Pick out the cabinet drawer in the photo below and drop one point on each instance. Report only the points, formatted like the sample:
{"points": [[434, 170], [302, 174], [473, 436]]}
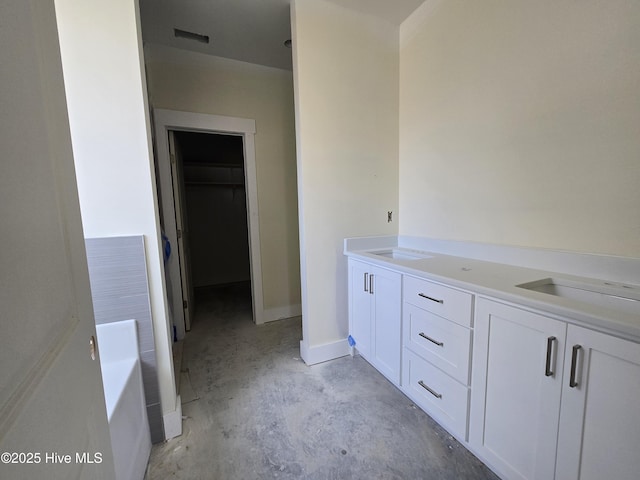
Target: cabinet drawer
{"points": [[443, 343], [447, 302], [436, 393]]}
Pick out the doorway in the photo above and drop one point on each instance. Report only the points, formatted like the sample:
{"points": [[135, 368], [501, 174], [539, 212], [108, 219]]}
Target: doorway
{"points": [[214, 240], [166, 121]]}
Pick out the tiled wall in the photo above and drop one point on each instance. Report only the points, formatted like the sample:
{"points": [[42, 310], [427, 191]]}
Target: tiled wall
{"points": [[120, 291]]}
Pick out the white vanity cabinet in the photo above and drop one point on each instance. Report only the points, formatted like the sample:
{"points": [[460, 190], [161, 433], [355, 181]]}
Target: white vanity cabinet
{"points": [[436, 323], [551, 399], [518, 362], [375, 316], [519, 371], [599, 435]]}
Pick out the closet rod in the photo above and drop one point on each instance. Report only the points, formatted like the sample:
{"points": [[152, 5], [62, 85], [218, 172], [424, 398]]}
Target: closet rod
{"points": [[218, 184]]}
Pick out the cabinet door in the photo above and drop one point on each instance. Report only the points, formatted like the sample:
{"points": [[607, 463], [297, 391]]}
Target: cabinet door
{"points": [[387, 326], [599, 434], [360, 306], [515, 390]]}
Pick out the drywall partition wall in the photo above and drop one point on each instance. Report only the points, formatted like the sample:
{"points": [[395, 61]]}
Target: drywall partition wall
{"points": [[346, 92], [105, 89], [519, 124], [192, 82]]}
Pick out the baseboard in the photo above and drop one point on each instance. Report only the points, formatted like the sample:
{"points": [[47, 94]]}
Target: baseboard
{"points": [[279, 313], [173, 421], [323, 353]]}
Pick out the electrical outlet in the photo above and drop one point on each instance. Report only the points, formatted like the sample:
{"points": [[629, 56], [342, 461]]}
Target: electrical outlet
{"points": [[389, 217]]}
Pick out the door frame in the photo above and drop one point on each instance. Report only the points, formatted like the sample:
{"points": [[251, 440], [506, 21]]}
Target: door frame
{"points": [[165, 120], [182, 225]]}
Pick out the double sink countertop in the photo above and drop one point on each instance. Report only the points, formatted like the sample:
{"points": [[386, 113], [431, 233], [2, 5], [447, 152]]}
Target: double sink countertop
{"points": [[606, 305]]}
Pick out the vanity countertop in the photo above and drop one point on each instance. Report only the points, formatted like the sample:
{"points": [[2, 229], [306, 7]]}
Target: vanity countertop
{"points": [[609, 306]]}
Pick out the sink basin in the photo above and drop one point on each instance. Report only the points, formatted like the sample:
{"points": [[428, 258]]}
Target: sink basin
{"points": [[625, 298], [400, 254]]}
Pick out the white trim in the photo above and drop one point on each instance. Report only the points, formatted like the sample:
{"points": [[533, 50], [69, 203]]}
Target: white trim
{"points": [[165, 120], [301, 192], [189, 121], [251, 185], [411, 25], [323, 353], [173, 421], [280, 313]]}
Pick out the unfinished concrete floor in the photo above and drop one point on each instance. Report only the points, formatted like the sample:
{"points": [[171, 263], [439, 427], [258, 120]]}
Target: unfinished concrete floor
{"points": [[262, 413]]}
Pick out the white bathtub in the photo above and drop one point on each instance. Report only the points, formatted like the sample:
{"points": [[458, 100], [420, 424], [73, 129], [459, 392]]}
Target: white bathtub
{"points": [[124, 396]]}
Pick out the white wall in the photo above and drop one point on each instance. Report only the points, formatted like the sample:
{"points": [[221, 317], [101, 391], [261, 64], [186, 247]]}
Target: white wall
{"points": [[193, 82], [110, 132], [519, 124], [346, 93]]}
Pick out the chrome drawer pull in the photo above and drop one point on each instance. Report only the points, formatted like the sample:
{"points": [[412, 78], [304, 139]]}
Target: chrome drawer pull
{"points": [[432, 392], [366, 278], [430, 298], [573, 383], [547, 368], [371, 284], [440, 344]]}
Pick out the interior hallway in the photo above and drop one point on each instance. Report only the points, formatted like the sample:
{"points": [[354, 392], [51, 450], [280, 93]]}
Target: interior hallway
{"points": [[259, 412]]}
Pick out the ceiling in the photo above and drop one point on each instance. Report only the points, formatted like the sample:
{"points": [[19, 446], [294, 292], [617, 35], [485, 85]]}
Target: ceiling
{"points": [[252, 31]]}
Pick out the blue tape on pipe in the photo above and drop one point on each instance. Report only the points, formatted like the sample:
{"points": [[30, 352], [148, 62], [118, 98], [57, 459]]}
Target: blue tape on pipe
{"points": [[166, 247], [352, 342]]}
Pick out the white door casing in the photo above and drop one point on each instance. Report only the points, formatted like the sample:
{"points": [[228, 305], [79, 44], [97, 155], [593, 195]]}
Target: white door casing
{"points": [[166, 120], [52, 409]]}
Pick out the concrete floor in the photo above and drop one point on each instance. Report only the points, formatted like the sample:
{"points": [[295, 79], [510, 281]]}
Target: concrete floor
{"points": [[262, 413]]}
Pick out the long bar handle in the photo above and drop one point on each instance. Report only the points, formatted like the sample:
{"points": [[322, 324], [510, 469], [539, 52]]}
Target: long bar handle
{"points": [[366, 277], [430, 298], [573, 382], [432, 392], [371, 283], [423, 335], [548, 372]]}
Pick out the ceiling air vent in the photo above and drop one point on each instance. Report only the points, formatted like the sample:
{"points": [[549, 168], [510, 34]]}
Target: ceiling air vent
{"points": [[190, 35]]}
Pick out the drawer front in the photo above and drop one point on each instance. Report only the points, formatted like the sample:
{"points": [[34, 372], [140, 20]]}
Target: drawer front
{"points": [[443, 343], [436, 393], [446, 302]]}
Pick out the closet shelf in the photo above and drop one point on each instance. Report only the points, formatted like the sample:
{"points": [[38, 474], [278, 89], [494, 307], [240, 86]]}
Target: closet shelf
{"points": [[213, 165], [220, 184]]}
